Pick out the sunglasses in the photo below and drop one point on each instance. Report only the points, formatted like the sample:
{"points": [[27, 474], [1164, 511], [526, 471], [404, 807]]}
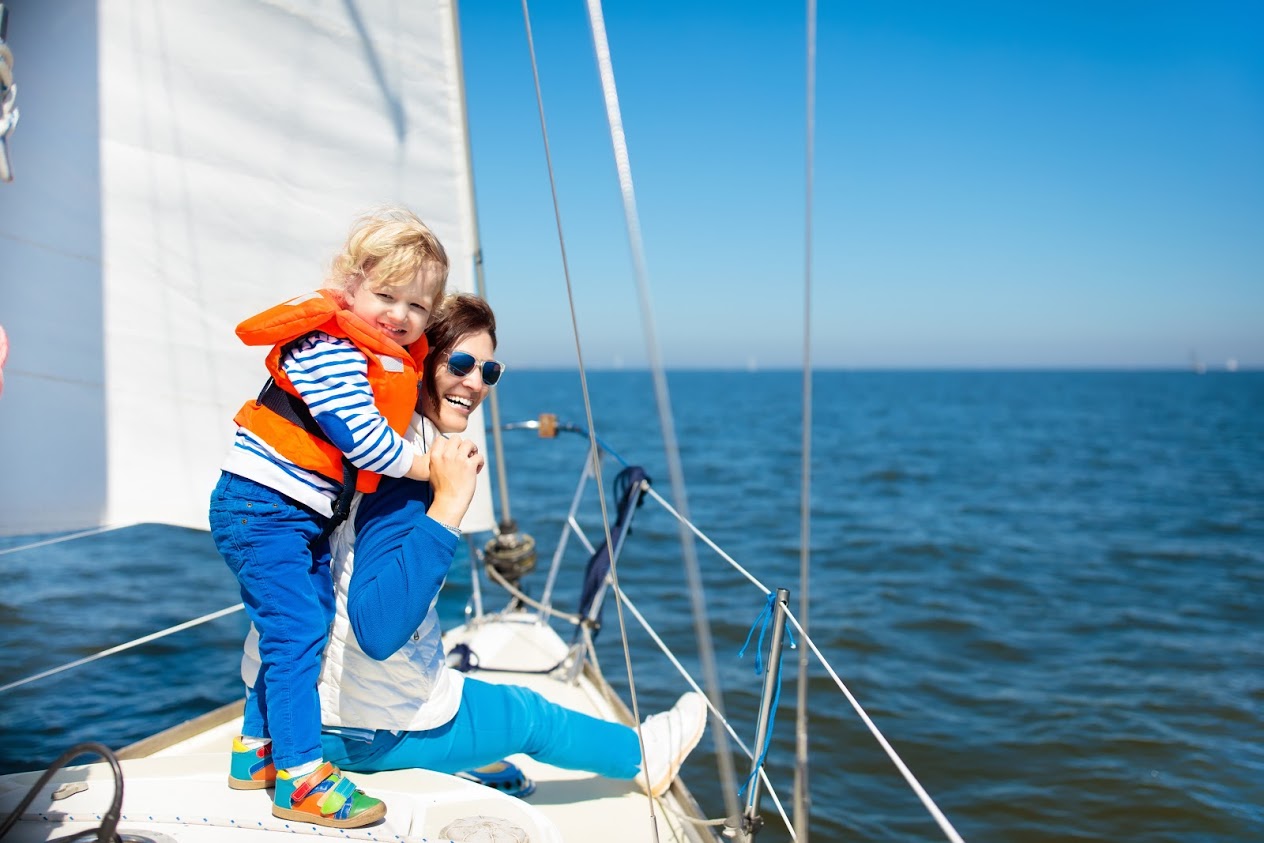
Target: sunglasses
{"points": [[461, 363]]}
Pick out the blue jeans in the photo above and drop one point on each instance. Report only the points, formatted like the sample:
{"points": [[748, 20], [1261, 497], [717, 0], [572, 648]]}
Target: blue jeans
{"points": [[288, 592], [495, 721]]}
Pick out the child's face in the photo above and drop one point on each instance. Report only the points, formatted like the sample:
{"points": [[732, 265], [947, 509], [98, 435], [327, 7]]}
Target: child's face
{"points": [[399, 313]]}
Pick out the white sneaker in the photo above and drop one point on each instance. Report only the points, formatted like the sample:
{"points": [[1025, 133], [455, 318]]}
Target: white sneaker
{"points": [[670, 737]]}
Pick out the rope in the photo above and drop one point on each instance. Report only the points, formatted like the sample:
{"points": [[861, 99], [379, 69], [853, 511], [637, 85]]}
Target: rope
{"points": [[942, 820], [583, 382], [171, 630], [802, 793], [547, 611], [61, 539]]}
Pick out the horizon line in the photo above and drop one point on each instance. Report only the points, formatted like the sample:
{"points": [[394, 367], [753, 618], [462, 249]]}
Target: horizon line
{"points": [[981, 369]]}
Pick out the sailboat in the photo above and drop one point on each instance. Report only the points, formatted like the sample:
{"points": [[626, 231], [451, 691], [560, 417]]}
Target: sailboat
{"points": [[198, 163]]}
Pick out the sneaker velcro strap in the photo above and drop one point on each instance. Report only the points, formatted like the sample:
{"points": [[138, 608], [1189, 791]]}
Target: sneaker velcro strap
{"points": [[314, 778], [332, 801]]}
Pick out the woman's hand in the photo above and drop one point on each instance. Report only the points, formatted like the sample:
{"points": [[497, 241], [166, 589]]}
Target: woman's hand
{"points": [[454, 466]]}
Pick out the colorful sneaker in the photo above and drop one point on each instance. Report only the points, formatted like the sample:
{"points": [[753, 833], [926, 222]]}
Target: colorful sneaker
{"points": [[251, 769], [325, 797], [669, 738]]}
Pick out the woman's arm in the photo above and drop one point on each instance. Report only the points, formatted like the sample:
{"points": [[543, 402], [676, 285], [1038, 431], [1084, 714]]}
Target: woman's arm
{"points": [[401, 560], [403, 552]]}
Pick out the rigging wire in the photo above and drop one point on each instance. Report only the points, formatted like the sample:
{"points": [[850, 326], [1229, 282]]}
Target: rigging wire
{"points": [[153, 636], [802, 793], [592, 428], [702, 629]]}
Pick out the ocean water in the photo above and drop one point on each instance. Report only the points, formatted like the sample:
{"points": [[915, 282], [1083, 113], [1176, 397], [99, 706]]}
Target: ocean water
{"points": [[1046, 589]]}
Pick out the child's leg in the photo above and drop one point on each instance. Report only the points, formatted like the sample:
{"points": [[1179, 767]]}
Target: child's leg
{"points": [[288, 594], [495, 721], [254, 719]]}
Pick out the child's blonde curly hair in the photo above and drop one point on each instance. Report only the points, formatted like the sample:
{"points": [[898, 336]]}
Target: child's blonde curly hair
{"points": [[387, 248]]}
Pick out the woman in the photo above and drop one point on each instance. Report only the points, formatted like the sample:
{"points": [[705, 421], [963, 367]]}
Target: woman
{"points": [[388, 699]]}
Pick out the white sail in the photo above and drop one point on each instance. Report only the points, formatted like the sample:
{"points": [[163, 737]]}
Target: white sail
{"points": [[180, 166]]}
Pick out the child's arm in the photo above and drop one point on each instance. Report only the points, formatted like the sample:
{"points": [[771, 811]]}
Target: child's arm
{"points": [[420, 469], [331, 376], [402, 556]]}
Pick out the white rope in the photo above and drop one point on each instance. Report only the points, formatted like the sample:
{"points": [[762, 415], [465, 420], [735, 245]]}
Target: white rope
{"points": [[680, 668], [171, 630], [60, 539], [942, 820]]}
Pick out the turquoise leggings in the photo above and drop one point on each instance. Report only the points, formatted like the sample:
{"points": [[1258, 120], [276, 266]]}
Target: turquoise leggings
{"points": [[495, 721]]}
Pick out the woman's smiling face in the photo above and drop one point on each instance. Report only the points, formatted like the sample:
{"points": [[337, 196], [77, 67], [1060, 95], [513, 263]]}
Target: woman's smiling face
{"points": [[459, 396]]}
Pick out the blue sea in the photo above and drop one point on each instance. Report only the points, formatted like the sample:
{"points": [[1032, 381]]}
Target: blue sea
{"points": [[1046, 589]]}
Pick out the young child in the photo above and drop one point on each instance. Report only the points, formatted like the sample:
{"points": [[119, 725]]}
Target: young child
{"points": [[344, 365]]}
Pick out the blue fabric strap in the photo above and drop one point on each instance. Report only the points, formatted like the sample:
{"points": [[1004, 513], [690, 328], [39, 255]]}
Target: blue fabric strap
{"points": [[762, 621]]}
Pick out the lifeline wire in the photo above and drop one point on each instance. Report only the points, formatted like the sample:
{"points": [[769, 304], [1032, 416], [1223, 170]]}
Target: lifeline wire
{"points": [[720, 551], [592, 428], [942, 820], [680, 668], [702, 629], [60, 539], [154, 636], [903, 768]]}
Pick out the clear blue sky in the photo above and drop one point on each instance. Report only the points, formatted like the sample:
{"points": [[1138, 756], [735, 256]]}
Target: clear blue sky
{"points": [[1049, 184]]}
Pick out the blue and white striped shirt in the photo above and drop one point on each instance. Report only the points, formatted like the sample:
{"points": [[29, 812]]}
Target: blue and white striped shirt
{"points": [[332, 377]]}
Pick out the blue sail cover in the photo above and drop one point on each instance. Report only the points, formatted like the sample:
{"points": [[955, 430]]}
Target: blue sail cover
{"points": [[627, 489]]}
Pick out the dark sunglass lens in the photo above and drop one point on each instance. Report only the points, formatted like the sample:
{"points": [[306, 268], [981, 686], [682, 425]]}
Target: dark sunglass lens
{"points": [[491, 372], [461, 363]]}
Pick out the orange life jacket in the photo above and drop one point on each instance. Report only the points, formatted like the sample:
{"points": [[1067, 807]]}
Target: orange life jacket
{"points": [[393, 377]]}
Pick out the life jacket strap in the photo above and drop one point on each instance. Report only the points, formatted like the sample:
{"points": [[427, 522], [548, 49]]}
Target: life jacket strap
{"points": [[292, 409]]}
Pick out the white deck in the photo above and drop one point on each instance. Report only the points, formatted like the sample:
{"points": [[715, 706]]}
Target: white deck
{"points": [[179, 793]]}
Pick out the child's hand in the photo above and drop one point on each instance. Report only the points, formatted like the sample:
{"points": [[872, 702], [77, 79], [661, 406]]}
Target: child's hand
{"points": [[421, 467]]}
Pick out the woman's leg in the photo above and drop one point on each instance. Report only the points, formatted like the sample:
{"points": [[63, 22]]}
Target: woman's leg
{"points": [[492, 722], [263, 537]]}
